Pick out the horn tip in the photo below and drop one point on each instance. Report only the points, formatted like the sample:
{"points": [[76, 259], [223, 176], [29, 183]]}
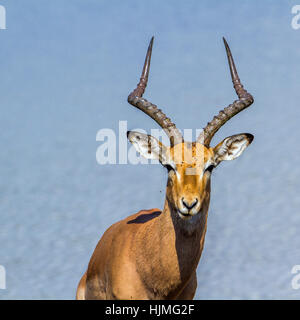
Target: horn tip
{"points": [[225, 42], [151, 42]]}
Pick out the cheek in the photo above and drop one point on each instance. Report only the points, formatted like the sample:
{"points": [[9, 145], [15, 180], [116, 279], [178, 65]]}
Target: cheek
{"points": [[205, 184], [201, 186], [170, 182], [172, 186]]}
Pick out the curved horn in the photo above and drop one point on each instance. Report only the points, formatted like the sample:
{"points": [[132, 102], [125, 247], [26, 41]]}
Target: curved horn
{"points": [[244, 101], [135, 99]]}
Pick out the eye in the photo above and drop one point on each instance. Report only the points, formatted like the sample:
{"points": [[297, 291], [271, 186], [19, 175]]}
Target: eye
{"points": [[169, 167], [210, 168]]}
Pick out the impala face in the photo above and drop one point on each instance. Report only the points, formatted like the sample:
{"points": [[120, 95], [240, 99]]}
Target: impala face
{"points": [[189, 163], [188, 185], [189, 167]]}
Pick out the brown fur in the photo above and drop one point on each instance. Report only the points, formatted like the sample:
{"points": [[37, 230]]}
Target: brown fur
{"points": [[154, 254]]}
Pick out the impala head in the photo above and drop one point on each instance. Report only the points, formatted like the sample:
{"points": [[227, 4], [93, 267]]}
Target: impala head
{"points": [[189, 164]]}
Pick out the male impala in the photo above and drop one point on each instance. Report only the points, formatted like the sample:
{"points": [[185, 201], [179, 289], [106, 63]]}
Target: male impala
{"points": [[154, 254]]}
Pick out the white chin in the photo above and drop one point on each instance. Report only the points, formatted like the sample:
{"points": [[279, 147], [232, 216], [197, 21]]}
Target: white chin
{"points": [[184, 216]]}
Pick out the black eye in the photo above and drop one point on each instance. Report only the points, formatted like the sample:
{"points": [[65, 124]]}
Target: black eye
{"points": [[169, 168], [209, 168]]}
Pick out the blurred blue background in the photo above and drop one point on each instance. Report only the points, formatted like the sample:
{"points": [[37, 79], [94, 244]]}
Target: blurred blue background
{"points": [[66, 70]]}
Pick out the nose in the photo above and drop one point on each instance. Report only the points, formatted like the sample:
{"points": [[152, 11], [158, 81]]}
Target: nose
{"points": [[190, 205]]}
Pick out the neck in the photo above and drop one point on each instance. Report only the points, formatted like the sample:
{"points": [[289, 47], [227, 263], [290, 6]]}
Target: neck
{"points": [[175, 248], [186, 238], [189, 234]]}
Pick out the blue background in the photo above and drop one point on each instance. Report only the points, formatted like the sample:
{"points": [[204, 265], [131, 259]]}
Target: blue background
{"points": [[66, 68]]}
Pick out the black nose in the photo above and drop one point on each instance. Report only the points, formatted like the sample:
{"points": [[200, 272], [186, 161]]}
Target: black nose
{"points": [[189, 205]]}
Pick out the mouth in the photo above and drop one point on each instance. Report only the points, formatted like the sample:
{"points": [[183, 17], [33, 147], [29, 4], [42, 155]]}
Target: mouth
{"points": [[186, 215]]}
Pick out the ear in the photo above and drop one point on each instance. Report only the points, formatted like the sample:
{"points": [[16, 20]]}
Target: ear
{"points": [[148, 146], [232, 147]]}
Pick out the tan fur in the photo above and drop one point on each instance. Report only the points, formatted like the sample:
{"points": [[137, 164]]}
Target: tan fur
{"points": [[154, 254]]}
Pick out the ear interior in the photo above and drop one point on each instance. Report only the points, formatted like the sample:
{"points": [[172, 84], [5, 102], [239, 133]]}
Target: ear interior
{"points": [[148, 146], [232, 147]]}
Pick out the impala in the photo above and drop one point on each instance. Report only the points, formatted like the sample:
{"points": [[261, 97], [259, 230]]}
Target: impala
{"points": [[154, 254]]}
